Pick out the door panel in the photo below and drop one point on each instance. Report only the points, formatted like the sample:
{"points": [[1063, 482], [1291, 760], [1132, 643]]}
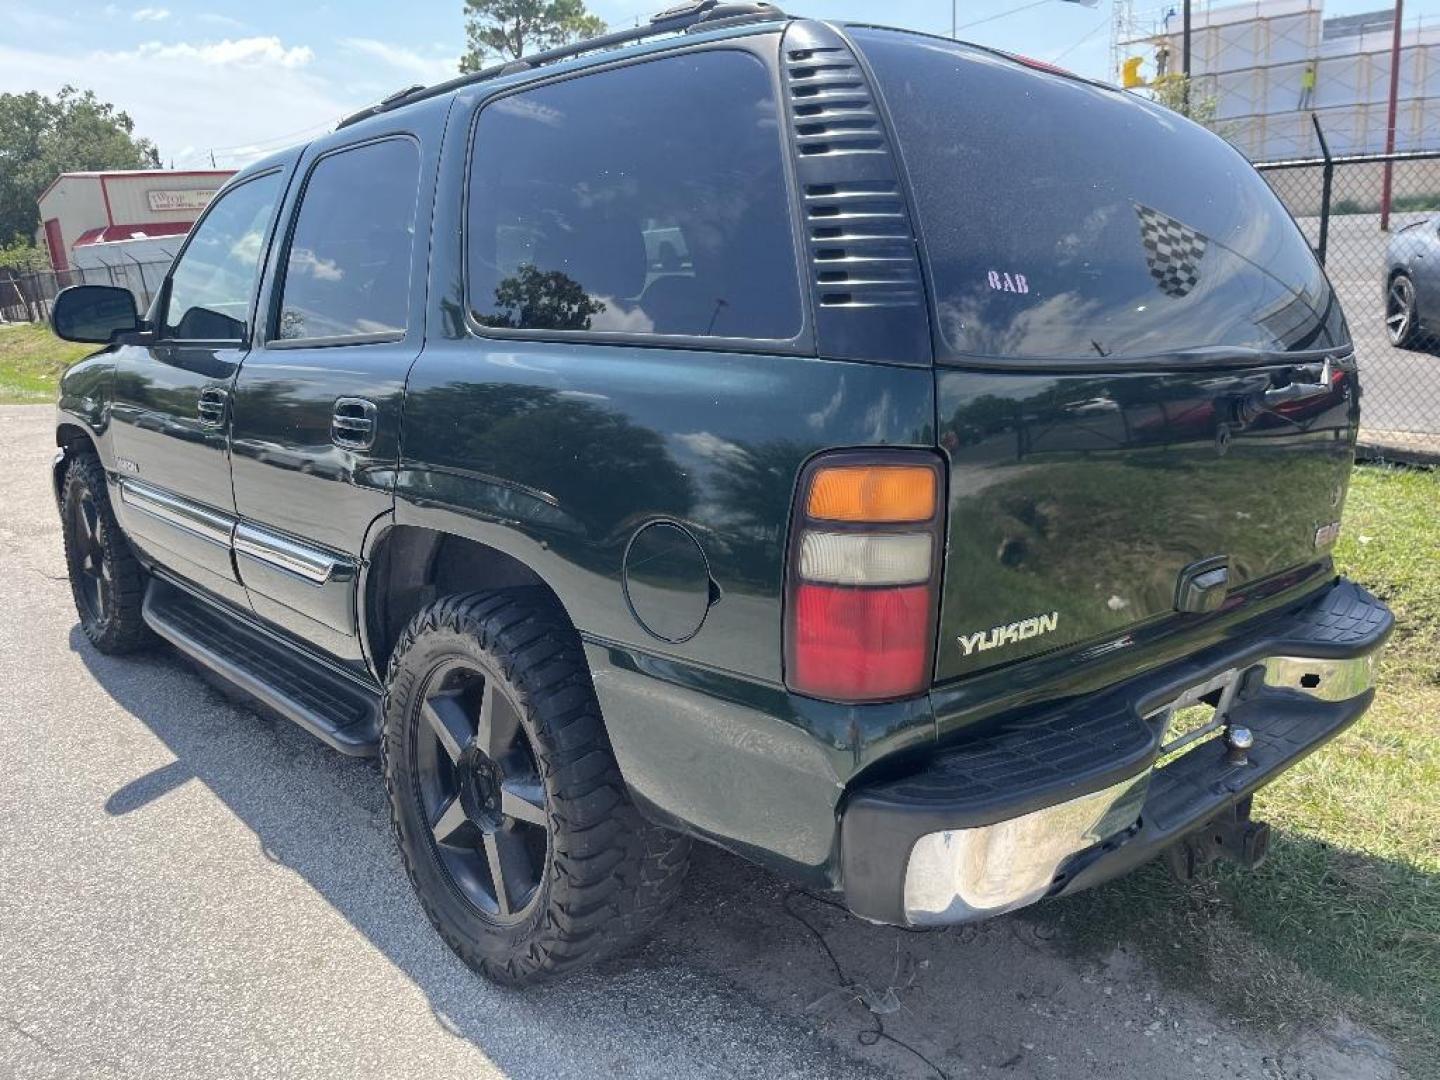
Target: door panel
{"points": [[171, 457], [1425, 271], [305, 503], [286, 576], [316, 410], [170, 410]]}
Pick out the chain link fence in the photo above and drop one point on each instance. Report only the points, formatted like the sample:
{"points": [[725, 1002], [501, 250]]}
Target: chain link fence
{"points": [[26, 297], [1374, 220]]}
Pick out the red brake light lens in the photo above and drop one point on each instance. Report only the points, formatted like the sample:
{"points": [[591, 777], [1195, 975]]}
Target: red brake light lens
{"points": [[861, 644]]}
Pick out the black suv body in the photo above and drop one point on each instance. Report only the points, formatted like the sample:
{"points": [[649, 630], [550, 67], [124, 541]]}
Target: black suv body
{"points": [[849, 447]]}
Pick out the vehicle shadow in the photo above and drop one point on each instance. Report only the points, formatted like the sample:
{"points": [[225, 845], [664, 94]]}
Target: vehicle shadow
{"points": [[325, 817], [743, 955]]}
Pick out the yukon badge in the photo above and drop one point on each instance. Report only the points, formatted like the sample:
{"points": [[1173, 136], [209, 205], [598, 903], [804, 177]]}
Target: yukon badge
{"points": [[996, 636]]}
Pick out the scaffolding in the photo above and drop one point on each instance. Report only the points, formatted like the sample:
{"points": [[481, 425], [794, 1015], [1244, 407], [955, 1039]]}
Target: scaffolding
{"points": [[1269, 64]]}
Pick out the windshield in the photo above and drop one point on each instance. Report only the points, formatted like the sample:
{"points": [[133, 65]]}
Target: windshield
{"points": [[1064, 220]]}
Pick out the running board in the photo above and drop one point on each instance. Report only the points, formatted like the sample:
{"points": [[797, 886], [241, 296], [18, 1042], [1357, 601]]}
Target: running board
{"points": [[335, 709]]}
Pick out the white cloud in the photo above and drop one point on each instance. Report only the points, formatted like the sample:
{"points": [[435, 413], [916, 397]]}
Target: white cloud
{"points": [[242, 52], [150, 14], [408, 62], [244, 98], [216, 19]]}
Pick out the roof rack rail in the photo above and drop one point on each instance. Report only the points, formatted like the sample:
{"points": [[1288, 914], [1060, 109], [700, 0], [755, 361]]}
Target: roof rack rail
{"points": [[670, 21]]}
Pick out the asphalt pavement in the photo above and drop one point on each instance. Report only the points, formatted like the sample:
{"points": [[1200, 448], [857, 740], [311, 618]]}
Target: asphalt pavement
{"points": [[189, 889]]}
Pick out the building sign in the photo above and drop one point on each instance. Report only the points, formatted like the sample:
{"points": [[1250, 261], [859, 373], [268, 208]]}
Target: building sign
{"points": [[179, 200]]}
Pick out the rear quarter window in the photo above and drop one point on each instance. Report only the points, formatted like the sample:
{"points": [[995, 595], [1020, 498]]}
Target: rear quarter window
{"points": [[1065, 220], [644, 200]]}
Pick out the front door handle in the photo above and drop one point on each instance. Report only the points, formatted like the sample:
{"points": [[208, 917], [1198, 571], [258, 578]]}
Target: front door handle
{"points": [[352, 424], [212, 406]]}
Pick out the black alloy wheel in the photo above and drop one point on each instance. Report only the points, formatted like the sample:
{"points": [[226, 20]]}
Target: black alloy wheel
{"points": [[106, 579], [92, 574], [515, 824], [478, 782]]}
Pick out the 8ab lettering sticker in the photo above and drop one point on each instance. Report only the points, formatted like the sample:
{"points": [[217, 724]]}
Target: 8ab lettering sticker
{"points": [[1002, 281]]}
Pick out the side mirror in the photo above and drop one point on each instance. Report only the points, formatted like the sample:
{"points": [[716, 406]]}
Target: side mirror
{"points": [[94, 313]]}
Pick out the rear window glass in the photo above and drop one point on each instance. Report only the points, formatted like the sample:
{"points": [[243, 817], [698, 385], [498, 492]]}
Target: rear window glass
{"points": [[648, 199], [1065, 220]]}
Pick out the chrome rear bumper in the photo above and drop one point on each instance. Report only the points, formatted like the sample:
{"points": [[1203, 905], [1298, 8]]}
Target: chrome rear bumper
{"points": [[961, 875], [1063, 795]]}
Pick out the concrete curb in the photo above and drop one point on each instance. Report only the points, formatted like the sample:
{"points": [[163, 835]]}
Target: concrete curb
{"points": [[1405, 447]]}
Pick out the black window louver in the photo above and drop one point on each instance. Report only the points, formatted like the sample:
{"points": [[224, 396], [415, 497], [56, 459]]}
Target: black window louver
{"points": [[857, 228]]}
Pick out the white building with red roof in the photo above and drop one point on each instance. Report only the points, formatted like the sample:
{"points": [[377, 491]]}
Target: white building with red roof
{"points": [[82, 212]]}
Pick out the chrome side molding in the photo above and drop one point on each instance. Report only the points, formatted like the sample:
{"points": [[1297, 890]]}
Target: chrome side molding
{"points": [[211, 525], [313, 564]]}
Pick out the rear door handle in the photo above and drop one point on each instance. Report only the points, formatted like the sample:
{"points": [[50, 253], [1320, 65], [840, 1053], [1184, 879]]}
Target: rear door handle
{"points": [[212, 406], [352, 425], [1303, 391]]}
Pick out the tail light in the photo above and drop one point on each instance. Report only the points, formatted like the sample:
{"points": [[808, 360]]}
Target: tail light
{"points": [[864, 570]]}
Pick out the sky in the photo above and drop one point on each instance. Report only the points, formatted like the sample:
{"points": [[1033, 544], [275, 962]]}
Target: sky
{"points": [[203, 77]]}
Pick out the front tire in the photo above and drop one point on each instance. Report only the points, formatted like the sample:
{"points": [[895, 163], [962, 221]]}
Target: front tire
{"points": [[508, 805], [1402, 317], [106, 580]]}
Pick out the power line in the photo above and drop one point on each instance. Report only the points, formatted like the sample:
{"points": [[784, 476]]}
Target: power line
{"points": [[260, 147], [1075, 45], [1001, 14], [325, 125]]}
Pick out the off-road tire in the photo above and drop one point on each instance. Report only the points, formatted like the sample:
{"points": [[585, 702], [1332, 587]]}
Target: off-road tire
{"points": [[609, 874], [114, 624]]}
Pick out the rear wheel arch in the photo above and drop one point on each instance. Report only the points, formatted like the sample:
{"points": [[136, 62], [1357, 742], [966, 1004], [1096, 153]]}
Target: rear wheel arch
{"points": [[410, 566]]}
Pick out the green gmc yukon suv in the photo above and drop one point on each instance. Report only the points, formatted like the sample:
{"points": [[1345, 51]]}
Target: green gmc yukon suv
{"points": [[853, 448]]}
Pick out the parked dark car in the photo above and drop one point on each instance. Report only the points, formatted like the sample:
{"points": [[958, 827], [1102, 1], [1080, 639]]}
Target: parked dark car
{"points": [[1412, 285], [846, 446]]}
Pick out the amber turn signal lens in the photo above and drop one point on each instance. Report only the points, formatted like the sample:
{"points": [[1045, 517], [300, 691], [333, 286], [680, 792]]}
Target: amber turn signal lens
{"points": [[873, 493]]}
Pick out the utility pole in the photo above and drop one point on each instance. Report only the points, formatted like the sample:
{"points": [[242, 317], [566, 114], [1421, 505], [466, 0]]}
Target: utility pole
{"points": [[1390, 121], [954, 28], [1185, 59]]}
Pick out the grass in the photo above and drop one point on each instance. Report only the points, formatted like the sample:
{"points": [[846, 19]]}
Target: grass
{"points": [[31, 360], [1400, 204], [1345, 915]]}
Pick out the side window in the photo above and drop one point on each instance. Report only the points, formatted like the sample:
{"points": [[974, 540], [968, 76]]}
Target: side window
{"points": [[648, 199], [347, 271], [213, 284]]}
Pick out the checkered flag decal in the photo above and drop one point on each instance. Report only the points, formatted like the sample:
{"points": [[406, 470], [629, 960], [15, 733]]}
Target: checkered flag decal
{"points": [[1173, 251]]}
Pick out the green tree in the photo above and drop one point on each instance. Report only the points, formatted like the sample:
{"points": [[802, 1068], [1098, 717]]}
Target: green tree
{"points": [[1177, 92], [23, 256], [509, 29], [542, 300], [41, 137]]}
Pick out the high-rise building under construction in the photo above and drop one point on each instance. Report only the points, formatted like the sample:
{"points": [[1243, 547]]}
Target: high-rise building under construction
{"points": [[1268, 65]]}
